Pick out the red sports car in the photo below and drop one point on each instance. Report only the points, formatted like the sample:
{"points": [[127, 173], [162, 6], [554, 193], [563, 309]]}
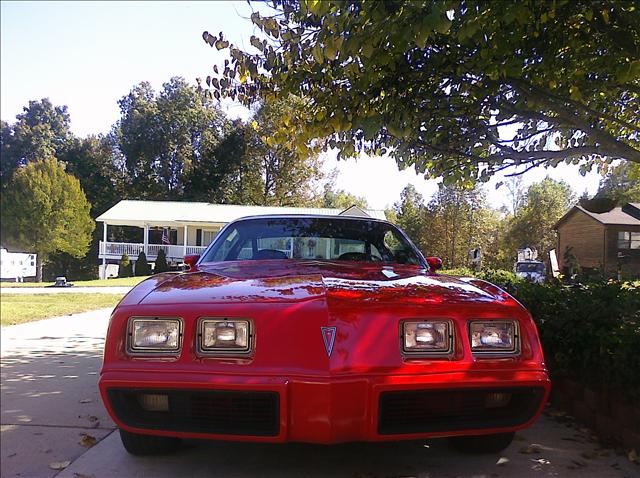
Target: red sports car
{"points": [[319, 329]]}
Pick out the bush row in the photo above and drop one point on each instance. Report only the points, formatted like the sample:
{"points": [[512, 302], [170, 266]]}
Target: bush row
{"points": [[590, 332], [142, 267]]}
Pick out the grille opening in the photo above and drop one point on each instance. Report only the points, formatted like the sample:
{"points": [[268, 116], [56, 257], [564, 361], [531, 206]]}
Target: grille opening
{"points": [[424, 411], [211, 411]]}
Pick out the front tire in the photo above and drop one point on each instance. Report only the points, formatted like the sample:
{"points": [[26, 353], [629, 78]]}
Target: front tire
{"points": [[483, 443], [137, 444]]}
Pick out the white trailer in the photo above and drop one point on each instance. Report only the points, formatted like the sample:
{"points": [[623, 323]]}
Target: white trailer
{"points": [[17, 265]]}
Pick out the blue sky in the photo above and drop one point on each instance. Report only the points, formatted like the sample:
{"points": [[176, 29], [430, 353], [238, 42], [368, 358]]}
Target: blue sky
{"points": [[87, 55]]}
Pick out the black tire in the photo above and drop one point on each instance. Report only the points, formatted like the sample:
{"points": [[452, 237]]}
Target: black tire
{"points": [[483, 443], [137, 444]]}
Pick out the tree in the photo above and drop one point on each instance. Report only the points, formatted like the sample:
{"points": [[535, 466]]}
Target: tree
{"points": [[125, 269], [44, 210], [621, 184], [161, 138], [546, 202], [142, 265], [517, 192], [333, 197], [90, 160], [161, 262], [280, 173], [410, 216], [341, 199], [41, 131], [460, 89], [458, 220]]}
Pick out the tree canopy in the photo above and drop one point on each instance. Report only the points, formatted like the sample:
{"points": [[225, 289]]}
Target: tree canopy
{"points": [[456, 220], [44, 210], [544, 204], [458, 88], [621, 184], [40, 131]]}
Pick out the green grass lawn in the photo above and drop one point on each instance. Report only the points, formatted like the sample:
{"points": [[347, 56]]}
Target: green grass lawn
{"points": [[120, 281], [19, 308]]}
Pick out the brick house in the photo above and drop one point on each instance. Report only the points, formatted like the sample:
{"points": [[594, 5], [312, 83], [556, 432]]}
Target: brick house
{"points": [[607, 241]]}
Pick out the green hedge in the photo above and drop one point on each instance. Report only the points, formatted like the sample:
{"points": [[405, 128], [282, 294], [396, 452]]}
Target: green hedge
{"points": [[590, 332]]}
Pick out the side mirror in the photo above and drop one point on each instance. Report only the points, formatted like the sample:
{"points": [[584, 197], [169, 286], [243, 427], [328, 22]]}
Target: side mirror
{"points": [[191, 261], [435, 263]]}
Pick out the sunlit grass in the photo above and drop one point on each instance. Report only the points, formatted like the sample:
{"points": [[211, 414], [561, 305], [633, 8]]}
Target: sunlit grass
{"points": [[20, 308], [120, 281]]}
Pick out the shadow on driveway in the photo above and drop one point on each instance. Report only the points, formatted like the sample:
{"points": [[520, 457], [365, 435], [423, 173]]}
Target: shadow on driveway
{"points": [[50, 400]]}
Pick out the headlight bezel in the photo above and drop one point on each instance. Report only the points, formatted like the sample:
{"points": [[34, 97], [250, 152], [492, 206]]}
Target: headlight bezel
{"points": [[450, 339], [136, 350], [219, 351], [515, 350]]}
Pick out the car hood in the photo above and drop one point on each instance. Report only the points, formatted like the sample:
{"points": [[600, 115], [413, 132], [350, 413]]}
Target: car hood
{"points": [[292, 281]]}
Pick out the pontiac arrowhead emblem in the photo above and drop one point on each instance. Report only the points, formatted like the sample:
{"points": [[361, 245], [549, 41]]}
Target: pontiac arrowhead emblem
{"points": [[329, 337]]}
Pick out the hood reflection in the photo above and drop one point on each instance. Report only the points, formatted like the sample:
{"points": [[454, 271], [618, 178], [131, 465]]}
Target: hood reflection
{"points": [[289, 280]]}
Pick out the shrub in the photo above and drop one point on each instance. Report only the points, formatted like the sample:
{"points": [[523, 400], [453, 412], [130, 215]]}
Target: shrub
{"points": [[125, 269], [504, 279], [590, 333], [142, 266], [161, 262]]}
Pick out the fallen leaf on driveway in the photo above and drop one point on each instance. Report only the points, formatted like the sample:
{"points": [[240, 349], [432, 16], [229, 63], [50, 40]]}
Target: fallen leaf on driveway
{"points": [[59, 465], [86, 400], [502, 461], [87, 440], [92, 418], [633, 457], [82, 475], [531, 449]]}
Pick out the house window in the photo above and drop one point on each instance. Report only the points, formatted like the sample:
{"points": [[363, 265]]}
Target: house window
{"points": [[208, 236], [628, 240]]}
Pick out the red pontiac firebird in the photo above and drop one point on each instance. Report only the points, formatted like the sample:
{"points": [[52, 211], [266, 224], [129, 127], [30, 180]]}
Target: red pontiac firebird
{"points": [[319, 329]]}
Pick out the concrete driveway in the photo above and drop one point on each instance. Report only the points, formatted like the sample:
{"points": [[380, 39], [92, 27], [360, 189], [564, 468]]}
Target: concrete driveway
{"points": [[51, 413]]}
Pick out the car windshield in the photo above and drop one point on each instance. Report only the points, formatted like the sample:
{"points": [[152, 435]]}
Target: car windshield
{"points": [[345, 239], [530, 267]]}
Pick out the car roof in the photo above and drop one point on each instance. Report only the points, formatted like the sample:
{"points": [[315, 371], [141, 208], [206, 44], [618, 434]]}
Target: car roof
{"points": [[312, 216]]}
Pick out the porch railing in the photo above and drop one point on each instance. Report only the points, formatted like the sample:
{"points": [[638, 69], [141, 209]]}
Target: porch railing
{"points": [[132, 249]]}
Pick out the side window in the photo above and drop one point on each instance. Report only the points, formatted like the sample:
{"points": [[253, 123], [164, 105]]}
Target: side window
{"points": [[246, 251], [375, 253], [231, 240], [398, 249]]}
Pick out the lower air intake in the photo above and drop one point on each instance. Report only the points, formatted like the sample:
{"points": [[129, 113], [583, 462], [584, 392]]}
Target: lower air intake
{"points": [[220, 411], [426, 411]]}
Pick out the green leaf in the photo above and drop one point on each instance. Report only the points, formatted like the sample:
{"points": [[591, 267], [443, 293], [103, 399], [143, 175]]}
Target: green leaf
{"points": [[316, 51]]}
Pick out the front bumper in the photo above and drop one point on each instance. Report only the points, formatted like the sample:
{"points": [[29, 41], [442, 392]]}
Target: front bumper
{"points": [[325, 410]]}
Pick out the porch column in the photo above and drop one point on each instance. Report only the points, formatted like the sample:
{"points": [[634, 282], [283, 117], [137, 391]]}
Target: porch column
{"points": [[146, 239], [184, 246], [104, 251]]}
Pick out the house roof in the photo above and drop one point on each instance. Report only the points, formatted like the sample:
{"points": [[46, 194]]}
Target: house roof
{"points": [[627, 215], [179, 213]]}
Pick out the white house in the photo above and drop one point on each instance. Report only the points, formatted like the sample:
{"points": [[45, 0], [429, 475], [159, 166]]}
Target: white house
{"points": [[17, 265], [182, 228]]}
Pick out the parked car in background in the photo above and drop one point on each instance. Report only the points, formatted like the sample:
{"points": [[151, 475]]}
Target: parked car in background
{"points": [[324, 330], [532, 271]]}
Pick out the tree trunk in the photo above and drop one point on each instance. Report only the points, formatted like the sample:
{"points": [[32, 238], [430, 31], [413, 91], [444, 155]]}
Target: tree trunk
{"points": [[39, 268]]}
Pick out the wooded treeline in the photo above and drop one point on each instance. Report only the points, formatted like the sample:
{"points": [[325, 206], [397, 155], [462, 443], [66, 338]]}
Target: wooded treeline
{"points": [[177, 144], [172, 144]]}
